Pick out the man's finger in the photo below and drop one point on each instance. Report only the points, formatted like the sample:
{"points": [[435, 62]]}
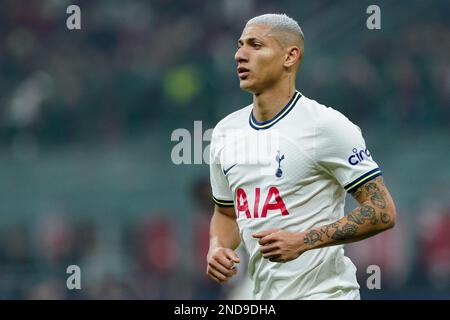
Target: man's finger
{"points": [[268, 248], [232, 256], [211, 276], [224, 261], [225, 271], [271, 255], [267, 239], [264, 233], [217, 274]]}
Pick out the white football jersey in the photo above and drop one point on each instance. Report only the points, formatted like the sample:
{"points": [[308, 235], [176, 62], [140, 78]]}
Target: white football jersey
{"points": [[291, 172]]}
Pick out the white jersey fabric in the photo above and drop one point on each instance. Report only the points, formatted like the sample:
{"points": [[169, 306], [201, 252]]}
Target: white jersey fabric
{"points": [[291, 172]]}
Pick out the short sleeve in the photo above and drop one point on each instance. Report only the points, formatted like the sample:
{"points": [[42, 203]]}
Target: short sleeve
{"points": [[222, 195], [340, 149]]}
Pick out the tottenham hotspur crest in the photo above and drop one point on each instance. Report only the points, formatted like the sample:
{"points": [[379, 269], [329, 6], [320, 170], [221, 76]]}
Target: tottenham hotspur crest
{"points": [[278, 159]]}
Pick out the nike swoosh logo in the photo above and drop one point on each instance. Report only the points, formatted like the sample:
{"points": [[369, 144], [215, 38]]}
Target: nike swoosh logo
{"points": [[227, 170]]}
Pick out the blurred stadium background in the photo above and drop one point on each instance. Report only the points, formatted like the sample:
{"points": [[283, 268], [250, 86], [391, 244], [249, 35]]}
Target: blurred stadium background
{"points": [[86, 117]]}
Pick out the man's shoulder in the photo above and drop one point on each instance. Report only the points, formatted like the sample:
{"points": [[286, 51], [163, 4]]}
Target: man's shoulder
{"points": [[325, 116], [321, 110], [234, 119]]}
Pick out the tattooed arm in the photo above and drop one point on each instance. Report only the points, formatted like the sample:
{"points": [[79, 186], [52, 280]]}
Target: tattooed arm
{"points": [[376, 213]]}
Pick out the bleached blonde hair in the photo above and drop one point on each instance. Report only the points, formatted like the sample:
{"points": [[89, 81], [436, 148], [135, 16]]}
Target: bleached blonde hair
{"points": [[285, 29]]}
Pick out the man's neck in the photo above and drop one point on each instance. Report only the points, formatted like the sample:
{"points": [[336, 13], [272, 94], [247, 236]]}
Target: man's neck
{"points": [[267, 104]]}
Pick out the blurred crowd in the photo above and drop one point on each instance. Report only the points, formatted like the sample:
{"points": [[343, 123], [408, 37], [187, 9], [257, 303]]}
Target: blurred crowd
{"points": [[150, 258], [147, 67], [142, 258]]}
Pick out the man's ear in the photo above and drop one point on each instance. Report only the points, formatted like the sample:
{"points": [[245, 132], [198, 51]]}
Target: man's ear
{"points": [[293, 56]]}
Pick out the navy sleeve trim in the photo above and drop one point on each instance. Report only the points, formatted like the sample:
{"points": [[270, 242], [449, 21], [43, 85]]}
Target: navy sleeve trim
{"points": [[223, 203], [355, 184]]}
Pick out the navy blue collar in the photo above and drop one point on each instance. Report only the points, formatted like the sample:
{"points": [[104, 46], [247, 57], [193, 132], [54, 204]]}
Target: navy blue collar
{"points": [[280, 115]]}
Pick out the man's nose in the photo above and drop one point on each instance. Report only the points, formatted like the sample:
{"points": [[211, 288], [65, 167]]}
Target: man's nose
{"points": [[240, 55]]}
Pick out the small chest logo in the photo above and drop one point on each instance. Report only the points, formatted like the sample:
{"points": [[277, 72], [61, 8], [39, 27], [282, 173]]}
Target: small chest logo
{"points": [[278, 159], [358, 156], [225, 171]]}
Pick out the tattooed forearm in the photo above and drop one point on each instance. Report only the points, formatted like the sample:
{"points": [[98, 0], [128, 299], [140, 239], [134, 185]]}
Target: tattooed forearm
{"points": [[376, 213], [336, 232], [377, 196], [326, 229], [355, 217], [312, 237], [385, 218], [376, 204], [345, 232], [368, 213], [365, 213]]}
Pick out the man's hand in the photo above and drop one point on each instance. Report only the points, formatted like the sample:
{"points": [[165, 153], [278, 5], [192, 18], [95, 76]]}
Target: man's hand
{"points": [[280, 245], [221, 264]]}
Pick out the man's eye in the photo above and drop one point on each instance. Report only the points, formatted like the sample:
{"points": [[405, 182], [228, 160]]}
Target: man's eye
{"points": [[256, 45]]}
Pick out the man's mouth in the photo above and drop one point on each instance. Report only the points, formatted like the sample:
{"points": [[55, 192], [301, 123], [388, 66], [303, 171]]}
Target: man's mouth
{"points": [[243, 72]]}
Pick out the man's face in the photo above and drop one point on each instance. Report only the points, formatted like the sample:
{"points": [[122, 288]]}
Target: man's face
{"points": [[259, 58]]}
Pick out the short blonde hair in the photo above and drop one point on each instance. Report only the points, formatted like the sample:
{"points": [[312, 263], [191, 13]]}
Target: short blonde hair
{"points": [[281, 24]]}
